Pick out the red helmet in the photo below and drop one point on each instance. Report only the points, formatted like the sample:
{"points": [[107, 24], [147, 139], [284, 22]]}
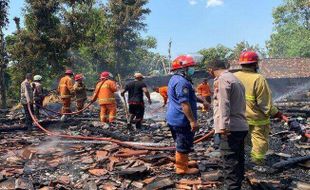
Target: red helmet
{"points": [[104, 75], [78, 77], [183, 61], [69, 72], [248, 57]]}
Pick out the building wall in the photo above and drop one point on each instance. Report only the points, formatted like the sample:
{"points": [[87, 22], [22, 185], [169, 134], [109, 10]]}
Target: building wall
{"points": [[291, 87]]}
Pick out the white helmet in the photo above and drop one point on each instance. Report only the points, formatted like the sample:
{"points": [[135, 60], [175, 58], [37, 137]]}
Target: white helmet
{"points": [[37, 78], [111, 75]]}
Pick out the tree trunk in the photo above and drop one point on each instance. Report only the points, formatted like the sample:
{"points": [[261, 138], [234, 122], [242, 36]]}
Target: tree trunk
{"points": [[2, 78], [2, 89]]}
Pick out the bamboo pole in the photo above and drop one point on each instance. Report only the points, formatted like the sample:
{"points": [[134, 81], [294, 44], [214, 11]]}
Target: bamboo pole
{"points": [[124, 99]]}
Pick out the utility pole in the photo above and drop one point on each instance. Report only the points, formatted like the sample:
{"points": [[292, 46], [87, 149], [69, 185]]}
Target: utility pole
{"points": [[164, 65], [169, 54]]}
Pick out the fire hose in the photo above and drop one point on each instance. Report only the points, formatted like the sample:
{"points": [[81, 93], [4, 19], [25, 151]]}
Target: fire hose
{"points": [[118, 142], [121, 143]]}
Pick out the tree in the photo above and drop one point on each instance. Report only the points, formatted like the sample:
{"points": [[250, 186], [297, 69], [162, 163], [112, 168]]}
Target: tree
{"points": [[125, 24], [81, 34], [3, 60], [225, 53], [218, 52], [53, 29], [244, 45], [291, 30]]}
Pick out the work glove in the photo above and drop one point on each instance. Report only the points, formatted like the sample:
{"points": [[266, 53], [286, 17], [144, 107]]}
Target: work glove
{"points": [[280, 116]]}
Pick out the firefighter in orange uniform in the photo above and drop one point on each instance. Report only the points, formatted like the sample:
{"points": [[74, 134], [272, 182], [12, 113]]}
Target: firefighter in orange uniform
{"points": [[65, 89], [203, 90], [79, 91], [163, 91], [104, 92]]}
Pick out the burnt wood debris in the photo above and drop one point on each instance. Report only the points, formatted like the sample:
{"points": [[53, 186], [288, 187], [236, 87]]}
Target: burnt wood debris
{"points": [[32, 159]]}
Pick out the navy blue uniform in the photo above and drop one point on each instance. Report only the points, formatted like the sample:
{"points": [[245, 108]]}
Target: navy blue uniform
{"points": [[180, 90]]}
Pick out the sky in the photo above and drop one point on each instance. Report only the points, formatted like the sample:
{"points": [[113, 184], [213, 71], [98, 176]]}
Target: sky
{"points": [[196, 24]]}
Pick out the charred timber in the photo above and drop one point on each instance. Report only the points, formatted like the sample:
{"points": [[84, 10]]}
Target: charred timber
{"points": [[107, 133], [290, 162]]}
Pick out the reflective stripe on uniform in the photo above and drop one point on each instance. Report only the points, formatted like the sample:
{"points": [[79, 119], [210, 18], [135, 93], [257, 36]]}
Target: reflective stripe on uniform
{"points": [[106, 99], [104, 86], [258, 122], [250, 98], [257, 156], [65, 96]]}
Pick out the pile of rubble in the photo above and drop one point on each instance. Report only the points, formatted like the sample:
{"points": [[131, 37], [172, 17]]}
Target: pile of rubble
{"points": [[30, 159]]}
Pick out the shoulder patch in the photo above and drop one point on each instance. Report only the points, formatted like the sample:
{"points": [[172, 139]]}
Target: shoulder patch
{"points": [[185, 90]]}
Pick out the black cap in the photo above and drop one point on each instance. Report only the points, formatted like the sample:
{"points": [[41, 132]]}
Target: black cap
{"points": [[217, 64]]}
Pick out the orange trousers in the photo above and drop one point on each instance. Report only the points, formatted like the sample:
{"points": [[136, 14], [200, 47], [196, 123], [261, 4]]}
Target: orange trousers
{"points": [[80, 104], [107, 113], [66, 102]]}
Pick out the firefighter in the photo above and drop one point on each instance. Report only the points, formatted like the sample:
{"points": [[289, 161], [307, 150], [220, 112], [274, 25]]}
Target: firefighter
{"points": [[229, 122], [38, 94], [79, 91], [135, 90], [163, 91], [259, 106], [181, 114], [65, 89], [26, 97], [104, 92], [203, 90]]}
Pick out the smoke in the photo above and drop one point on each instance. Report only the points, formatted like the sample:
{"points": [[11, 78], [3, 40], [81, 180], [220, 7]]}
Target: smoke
{"points": [[299, 89], [48, 145], [155, 110]]}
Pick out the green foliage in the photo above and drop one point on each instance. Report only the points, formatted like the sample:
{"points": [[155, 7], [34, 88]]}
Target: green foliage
{"points": [[291, 30], [125, 23], [80, 34], [218, 52], [244, 45], [4, 4], [225, 53]]}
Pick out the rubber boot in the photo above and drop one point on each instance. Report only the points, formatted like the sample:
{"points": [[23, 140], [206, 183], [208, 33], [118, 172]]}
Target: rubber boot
{"points": [[181, 165], [191, 163]]}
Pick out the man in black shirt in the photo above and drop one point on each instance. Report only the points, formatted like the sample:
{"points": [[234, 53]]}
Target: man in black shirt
{"points": [[135, 91]]}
